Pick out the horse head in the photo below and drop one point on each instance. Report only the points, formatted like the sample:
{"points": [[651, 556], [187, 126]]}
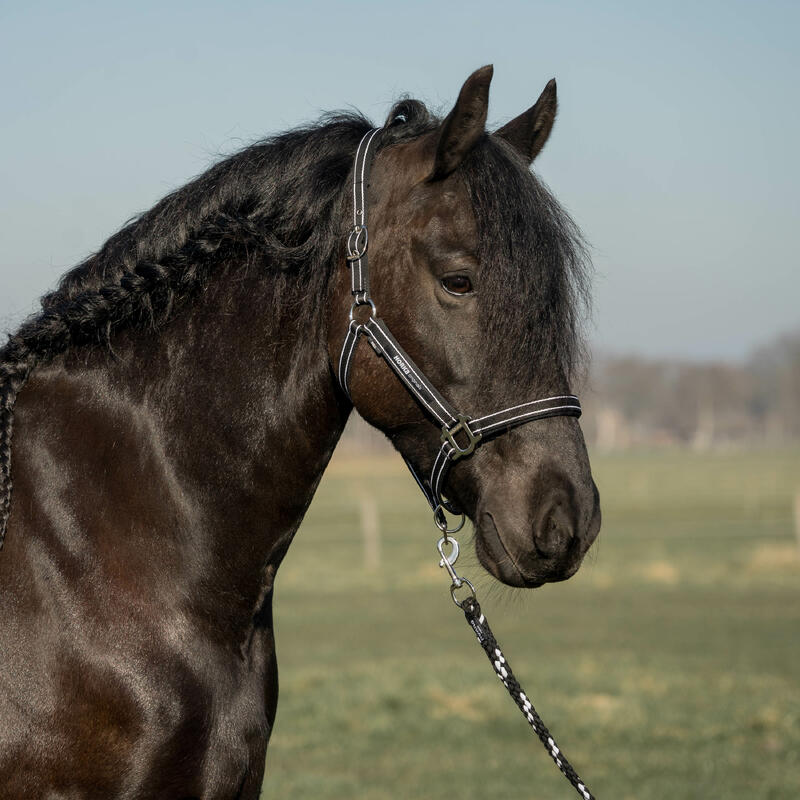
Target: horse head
{"points": [[480, 276]]}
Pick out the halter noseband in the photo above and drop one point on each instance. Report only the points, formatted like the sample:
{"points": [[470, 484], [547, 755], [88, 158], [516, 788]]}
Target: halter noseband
{"points": [[461, 434]]}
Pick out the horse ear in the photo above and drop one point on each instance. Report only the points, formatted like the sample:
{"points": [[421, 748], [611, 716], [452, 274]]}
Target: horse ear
{"points": [[531, 129], [464, 125]]}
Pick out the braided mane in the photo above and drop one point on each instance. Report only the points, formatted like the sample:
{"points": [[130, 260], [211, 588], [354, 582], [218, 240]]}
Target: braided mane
{"points": [[279, 196]]}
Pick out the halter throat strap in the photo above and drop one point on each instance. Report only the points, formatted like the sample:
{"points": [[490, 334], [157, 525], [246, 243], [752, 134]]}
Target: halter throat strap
{"points": [[460, 433]]}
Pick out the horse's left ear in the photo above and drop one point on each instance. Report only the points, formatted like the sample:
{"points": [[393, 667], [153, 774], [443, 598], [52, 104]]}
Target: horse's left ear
{"points": [[528, 132], [464, 125]]}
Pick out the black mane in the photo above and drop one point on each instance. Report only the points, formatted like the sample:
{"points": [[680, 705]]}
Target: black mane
{"points": [[278, 194]]}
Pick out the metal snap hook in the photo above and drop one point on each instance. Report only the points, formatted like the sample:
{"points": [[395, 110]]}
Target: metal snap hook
{"points": [[448, 561]]}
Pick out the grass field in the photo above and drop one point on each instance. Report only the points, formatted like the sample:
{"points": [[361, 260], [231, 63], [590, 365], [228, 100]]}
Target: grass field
{"points": [[668, 667]]}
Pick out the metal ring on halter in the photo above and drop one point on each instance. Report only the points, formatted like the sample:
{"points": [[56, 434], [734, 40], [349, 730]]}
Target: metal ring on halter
{"points": [[355, 248], [470, 596], [440, 520], [373, 310]]}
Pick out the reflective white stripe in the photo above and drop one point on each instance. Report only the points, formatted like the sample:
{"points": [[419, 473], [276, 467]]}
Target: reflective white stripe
{"points": [[358, 276], [367, 136], [342, 377], [418, 396], [436, 473], [448, 418], [366, 141], [363, 208], [436, 478], [444, 466], [528, 415], [434, 470], [346, 375], [479, 420]]}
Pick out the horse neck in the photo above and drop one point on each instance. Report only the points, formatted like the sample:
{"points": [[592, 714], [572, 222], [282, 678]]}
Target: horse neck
{"points": [[235, 417]]}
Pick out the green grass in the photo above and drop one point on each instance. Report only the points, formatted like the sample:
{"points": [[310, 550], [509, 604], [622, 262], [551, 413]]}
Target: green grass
{"points": [[668, 667]]}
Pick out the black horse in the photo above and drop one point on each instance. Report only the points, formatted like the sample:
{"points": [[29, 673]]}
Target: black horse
{"points": [[176, 401]]}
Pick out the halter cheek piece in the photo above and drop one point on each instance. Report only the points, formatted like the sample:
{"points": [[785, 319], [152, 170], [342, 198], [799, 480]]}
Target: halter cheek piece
{"points": [[461, 434]]}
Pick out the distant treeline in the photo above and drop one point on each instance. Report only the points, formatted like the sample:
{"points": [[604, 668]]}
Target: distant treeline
{"points": [[634, 401]]}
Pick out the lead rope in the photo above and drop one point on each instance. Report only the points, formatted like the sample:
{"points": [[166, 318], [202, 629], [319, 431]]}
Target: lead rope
{"points": [[475, 617]]}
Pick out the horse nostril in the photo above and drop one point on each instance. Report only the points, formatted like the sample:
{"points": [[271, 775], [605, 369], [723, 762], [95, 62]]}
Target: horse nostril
{"points": [[554, 532]]}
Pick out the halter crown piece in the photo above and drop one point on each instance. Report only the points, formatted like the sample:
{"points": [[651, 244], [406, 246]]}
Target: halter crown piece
{"points": [[460, 434]]}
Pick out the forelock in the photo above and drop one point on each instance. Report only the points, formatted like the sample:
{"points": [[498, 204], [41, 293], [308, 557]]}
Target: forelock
{"points": [[535, 269]]}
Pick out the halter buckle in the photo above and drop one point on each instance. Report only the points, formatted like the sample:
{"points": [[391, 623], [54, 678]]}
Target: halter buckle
{"points": [[357, 241], [449, 435]]}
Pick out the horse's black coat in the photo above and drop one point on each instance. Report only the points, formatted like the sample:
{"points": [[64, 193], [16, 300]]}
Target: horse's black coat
{"points": [[174, 407]]}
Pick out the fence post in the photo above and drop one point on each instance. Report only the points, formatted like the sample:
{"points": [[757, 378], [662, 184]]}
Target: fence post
{"points": [[797, 516], [370, 528]]}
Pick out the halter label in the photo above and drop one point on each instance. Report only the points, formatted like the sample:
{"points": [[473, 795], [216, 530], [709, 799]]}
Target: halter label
{"points": [[405, 370]]}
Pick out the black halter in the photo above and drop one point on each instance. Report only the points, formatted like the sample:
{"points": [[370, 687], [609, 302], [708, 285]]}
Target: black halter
{"points": [[461, 434]]}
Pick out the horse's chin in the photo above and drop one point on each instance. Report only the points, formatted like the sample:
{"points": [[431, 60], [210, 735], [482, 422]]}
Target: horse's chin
{"points": [[495, 558]]}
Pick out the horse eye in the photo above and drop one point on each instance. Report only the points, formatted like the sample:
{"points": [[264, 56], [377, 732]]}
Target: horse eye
{"points": [[457, 284]]}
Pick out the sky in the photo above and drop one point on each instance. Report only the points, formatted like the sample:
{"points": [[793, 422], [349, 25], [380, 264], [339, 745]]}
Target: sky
{"points": [[675, 149]]}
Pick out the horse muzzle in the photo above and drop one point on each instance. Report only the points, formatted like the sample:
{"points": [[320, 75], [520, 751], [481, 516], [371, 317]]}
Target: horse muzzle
{"points": [[545, 541]]}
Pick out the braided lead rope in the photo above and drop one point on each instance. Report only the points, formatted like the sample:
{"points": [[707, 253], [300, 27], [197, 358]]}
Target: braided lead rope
{"points": [[472, 611], [475, 617]]}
